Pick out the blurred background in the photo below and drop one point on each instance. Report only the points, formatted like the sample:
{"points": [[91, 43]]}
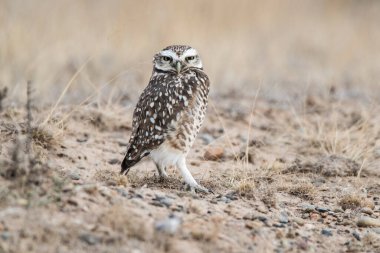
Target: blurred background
{"points": [[103, 49]]}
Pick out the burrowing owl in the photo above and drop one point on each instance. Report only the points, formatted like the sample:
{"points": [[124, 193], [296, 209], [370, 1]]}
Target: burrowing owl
{"points": [[170, 112]]}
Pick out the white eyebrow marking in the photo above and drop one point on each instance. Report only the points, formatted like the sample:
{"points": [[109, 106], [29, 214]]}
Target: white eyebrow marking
{"points": [[189, 52], [192, 52], [169, 53]]}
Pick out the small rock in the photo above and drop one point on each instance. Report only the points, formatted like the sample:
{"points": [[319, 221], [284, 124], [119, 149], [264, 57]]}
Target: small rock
{"points": [[89, 239], [314, 216], [5, 235], [232, 195], [299, 221], [22, 202], [326, 232], [368, 222], [225, 199], [345, 223], [83, 138], [214, 153], [163, 200], [169, 225], [264, 220], [283, 218], [279, 225], [249, 216], [262, 209], [123, 192], [68, 188], [252, 224], [114, 161], [366, 210], [308, 208], [322, 209], [356, 235], [90, 188], [207, 138], [338, 210], [74, 176], [72, 201]]}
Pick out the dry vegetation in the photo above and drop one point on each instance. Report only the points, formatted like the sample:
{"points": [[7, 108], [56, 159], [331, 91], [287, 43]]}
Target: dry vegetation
{"points": [[290, 146]]}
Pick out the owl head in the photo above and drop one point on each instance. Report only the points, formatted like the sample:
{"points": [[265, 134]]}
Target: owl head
{"points": [[177, 59]]}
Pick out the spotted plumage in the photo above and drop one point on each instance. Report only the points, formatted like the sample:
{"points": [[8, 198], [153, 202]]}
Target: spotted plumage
{"points": [[170, 112]]}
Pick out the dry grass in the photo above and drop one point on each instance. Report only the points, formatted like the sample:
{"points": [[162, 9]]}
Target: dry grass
{"points": [[352, 201], [303, 190], [111, 177]]}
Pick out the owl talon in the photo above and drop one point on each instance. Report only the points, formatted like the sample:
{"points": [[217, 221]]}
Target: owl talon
{"points": [[197, 189]]}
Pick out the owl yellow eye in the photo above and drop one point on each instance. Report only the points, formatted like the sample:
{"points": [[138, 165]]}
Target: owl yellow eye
{"points": [[190, 58], [166, 58]]}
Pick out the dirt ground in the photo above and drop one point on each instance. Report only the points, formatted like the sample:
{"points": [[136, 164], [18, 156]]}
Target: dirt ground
{"points": [[285, 176], [290, 146]]}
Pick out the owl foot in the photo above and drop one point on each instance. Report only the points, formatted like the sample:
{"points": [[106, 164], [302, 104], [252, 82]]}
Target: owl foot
{"points": [[163, 177], [197, 189]]}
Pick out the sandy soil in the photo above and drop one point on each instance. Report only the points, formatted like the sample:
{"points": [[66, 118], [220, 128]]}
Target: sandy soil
{"points": [[286, 176]]}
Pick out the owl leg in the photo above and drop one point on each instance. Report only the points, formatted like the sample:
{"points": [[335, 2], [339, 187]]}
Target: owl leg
{"points": [[161, 171], [189, 180]]}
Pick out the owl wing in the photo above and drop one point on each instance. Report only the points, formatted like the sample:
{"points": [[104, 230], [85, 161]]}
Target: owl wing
{"points": [[159, 104]]}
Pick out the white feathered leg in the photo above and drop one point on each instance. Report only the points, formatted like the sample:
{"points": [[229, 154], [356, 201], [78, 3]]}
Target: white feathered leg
{"points": [[162, 172], [189, 180]]}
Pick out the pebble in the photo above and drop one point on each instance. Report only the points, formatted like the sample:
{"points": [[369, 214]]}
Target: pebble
{"points": [[207, 138], [299, 221], [123, 192], [169, 225], [90, 188], [368, 222], [225, 199], [5, 235], [249, 216], [262, 209], [314, 216], [283, 217], [308, 208], [345, 223], [22, 202], [72, 201], [366, 210], [89, 239], [74, 176], [356, 235], [326, 232], [114, 161], [252, 224], [338, 210], [322, 209], [163, 200], [279, 225], [214, 153]]}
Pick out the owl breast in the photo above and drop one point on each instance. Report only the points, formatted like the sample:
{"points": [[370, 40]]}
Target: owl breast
{"points": [[190, 93], [193, 113]]}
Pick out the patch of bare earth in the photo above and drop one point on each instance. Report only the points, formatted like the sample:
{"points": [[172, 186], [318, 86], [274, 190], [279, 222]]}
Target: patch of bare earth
{"points": [[294, 178]]}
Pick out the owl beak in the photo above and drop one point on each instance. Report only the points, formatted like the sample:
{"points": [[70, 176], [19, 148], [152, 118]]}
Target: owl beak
{"points": [[178, 67]]}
